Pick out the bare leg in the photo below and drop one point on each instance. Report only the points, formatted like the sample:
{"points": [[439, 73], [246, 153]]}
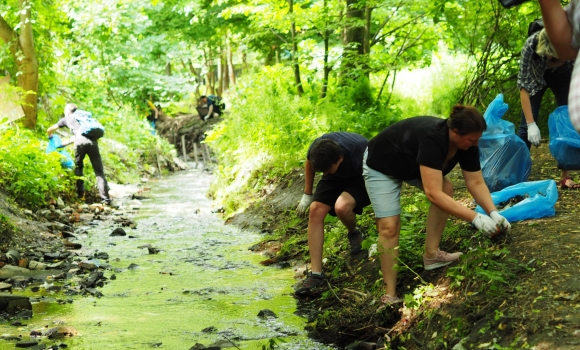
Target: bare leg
{"points": [[436, 221], [316, 234], [389, 229], [344, 207]]}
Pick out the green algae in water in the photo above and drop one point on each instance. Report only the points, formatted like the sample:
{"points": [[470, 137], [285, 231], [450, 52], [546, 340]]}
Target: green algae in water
{"points": [[203, 287]]}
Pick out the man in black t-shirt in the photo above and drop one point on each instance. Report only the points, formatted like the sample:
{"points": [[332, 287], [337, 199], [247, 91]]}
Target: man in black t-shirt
{"points": [[340, 192]]}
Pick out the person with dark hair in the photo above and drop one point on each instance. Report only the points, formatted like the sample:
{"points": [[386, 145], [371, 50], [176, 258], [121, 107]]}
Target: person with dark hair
{"points": [[421, 151], [83, 146], [541, 69], [340, 192], [213, 104]]}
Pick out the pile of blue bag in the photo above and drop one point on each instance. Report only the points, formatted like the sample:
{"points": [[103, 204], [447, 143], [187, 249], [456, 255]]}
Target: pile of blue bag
{"points": [[55, 144], [504, 157], [564, 140]]}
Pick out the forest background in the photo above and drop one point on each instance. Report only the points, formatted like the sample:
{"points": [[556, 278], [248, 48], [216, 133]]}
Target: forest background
{"points": [[289, 71]]}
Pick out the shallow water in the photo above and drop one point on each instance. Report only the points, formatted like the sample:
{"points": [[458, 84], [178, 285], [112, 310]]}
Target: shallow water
{"points": [[205, 286]]}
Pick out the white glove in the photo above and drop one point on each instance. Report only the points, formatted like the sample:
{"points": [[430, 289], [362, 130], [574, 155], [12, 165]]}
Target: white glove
{"points": [[534, 134], [485, 224], [304, 204], [500, 221]]}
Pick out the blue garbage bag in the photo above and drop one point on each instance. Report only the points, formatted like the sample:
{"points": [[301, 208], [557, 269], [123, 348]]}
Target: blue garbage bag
{"points": [[55, 144], [504, 157], [564, 140], [539, 202]]}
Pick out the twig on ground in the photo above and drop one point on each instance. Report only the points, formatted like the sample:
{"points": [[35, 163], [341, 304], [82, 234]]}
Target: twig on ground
{"points": [[355, 291]]}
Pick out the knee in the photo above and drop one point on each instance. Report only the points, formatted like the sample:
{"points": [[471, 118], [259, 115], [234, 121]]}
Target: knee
{"points": [[318, 211], [343, 210], [388, 230]]}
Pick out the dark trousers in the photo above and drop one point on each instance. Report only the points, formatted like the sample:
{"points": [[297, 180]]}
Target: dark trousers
{"points": [[559, 82], [92, 150]]}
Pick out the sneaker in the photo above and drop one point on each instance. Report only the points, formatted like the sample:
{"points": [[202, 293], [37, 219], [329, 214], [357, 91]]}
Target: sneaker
{"points": [[311, 282], [387, 300], [442, 259], [355, 241]]}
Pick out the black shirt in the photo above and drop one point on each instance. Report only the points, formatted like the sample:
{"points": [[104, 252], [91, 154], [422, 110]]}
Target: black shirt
{"points": [[400, 149], [353, 148]]}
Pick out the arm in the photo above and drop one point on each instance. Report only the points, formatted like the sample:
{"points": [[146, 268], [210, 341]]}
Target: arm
{"points": [[52, 129], [433, 187], [478, 189], [559, 28], [526, 105], [307, 197], [308, 177], [209, 111]]}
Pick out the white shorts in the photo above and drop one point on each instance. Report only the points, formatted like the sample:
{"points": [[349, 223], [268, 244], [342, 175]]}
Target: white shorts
{"points": [[384, 191]]}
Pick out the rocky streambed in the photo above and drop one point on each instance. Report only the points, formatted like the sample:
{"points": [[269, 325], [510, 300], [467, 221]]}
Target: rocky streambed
{"points": [[160, 271]]}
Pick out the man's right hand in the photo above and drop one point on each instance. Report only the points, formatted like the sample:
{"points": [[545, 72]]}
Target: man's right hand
{"points": [[534, 134], [485, 224], [304, 204]]}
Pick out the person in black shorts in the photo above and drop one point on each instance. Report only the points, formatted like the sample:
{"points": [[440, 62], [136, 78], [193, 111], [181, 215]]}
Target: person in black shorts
{"points": [[340, 192]]}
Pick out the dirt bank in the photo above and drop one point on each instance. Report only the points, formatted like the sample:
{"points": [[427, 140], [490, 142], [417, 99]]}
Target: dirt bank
{"points": [[532, 301]]}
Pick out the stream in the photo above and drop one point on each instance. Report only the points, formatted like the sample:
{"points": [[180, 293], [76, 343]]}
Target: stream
{"points": [[203, 286]]}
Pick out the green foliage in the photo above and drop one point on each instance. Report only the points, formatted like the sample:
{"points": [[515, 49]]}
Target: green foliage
{"points": [[7, 229], [27, 173]]}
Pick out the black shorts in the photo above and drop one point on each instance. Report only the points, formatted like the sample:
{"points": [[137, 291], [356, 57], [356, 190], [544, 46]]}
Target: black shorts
{"points": [[329, 189]]}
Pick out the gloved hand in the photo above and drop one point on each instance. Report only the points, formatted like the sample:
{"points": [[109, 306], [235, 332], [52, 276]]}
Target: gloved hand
{"points": [[304, 204], [500, 221], [485, 224], [534, 134]]}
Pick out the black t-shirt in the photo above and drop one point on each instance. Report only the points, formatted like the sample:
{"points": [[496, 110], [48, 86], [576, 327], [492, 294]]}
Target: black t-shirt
{"points": [[398, 150], [353, 148]]}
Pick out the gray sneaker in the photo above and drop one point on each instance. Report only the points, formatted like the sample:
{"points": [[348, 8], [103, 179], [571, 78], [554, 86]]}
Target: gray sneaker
{"points": [[355, 239], [311, 282], [441, 259]]}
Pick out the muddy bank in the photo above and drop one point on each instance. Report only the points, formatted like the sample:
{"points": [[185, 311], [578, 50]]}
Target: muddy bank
{"points": [[519, 291]]}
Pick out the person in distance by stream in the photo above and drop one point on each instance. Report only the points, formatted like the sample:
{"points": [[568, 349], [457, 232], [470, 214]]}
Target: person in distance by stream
{"points": [[83, 146], [340, 192], [421, 151]]}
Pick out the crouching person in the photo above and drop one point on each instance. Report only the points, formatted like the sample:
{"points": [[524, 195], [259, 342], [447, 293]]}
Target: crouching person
{"points": [[340, 192]]}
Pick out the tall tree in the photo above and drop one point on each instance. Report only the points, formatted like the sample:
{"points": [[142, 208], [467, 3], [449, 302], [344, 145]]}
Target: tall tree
{"points": [[21, 45]]}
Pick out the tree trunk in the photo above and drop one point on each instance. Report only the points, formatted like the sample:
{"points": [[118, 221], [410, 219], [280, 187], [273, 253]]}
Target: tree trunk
{"points": [[209, 84], [326, 39], [354, 35], [232, 73], [367, 31], [327, 67], [295, 63], [24, 54]]}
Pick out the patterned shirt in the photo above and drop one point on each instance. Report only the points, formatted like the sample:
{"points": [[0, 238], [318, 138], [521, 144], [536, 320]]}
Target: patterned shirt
{"points": [[533, 67]]}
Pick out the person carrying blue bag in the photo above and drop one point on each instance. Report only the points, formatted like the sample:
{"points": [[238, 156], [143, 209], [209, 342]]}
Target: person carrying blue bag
{"points": [[87, 131]]}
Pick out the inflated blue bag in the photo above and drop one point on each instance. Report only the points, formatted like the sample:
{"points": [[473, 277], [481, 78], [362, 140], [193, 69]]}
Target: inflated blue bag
{"points": [[504, 157], [540, 198], [55, 144], [564, 140]]}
